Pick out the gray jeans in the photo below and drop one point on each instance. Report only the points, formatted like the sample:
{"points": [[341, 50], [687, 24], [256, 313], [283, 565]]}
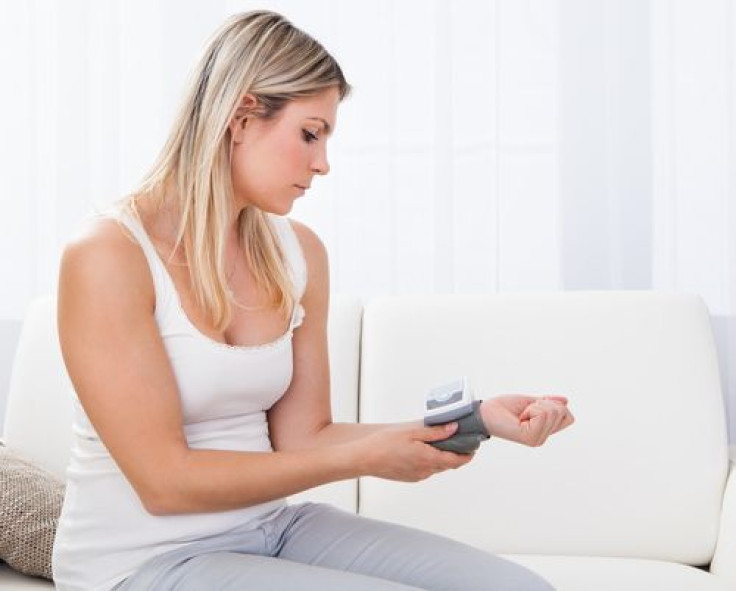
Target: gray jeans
{"points": [[315, 547]]}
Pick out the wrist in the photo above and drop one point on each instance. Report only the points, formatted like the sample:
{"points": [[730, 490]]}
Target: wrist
{"points": [[352, 460], [486, 409]]}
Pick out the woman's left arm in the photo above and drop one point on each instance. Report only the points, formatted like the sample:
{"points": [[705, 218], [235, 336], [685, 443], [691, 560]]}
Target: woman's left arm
{"points": [[302, 418]]}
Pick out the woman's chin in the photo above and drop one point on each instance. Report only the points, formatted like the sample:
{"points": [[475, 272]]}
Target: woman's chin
{"points": [[280, 208]]}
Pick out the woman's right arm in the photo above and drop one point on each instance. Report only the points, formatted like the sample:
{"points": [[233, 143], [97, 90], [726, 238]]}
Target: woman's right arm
{"points": [[120, 370]]}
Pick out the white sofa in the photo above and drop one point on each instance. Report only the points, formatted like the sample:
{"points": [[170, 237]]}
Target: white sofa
{"points": [[635, 496]]}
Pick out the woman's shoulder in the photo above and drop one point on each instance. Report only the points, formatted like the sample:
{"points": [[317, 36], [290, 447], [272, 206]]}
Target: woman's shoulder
{"points": [[311, 243], [104, 254], [315, 257], [101, 238]]}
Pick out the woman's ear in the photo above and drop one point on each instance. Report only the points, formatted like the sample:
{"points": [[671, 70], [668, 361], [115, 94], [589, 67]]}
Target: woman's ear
{"points": [[237, 123]]}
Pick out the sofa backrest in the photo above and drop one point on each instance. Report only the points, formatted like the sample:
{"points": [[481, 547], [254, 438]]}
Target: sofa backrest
{"points": [[39, 410], [642, 471]]}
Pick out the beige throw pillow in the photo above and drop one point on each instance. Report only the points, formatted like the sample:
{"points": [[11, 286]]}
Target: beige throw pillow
{"points": [[30, 503]]}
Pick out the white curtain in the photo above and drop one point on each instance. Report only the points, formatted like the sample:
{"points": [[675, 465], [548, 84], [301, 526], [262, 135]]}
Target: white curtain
{"points": [[490, 145]]}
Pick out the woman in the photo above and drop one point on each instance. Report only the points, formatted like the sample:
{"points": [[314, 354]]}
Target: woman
{"points": [[201, 404]]}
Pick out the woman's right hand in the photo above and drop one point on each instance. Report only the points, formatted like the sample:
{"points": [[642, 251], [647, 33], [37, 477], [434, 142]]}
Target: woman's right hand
{"points": [[400, 452], [529, 420]]}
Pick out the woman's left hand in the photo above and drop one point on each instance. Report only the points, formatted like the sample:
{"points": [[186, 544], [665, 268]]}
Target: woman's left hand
{"points": [[526, 419]]}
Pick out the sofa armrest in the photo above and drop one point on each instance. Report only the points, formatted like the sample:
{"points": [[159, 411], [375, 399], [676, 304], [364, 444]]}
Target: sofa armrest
{"points": [[724, 558]]}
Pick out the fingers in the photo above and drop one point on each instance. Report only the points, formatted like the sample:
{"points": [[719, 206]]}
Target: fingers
{"points": [[442, 460], [447, 460], [431, 461], [544, 425], [454, 461], [568, 420], [565, 419], [545, 417]]}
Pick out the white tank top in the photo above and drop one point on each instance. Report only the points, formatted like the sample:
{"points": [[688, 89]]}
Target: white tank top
{"points": [[104, 532]]}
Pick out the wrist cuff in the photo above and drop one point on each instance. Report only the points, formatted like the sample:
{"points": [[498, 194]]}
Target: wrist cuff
{"points": [[471, 432]]}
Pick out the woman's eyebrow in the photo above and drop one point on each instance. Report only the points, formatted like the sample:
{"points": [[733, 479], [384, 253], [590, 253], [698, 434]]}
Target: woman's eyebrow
{"points": [[328, 129]]}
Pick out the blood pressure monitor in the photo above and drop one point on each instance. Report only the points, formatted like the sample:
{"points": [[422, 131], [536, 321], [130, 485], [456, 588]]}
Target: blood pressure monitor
{"points": [[448, 402], [454, 401]]}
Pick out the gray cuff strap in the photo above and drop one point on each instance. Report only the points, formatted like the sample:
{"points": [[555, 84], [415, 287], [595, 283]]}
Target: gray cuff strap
{"points": [[471, 432]]}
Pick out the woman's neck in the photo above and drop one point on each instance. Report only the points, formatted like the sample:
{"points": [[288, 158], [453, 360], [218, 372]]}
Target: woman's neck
{"points": [[161, 218]]}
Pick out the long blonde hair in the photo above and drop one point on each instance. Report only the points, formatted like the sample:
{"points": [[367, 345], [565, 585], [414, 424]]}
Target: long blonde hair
{"points": [[258, 52]]}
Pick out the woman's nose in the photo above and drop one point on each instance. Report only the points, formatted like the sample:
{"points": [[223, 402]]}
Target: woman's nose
{"points": [[321, 165]]}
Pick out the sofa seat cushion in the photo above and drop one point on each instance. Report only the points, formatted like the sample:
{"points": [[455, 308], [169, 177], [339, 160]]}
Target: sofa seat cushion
{"points": [[566, 573], [11, 580], [583, 573]]}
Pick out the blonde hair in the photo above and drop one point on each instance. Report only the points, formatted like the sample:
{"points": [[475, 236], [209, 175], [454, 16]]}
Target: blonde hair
{"points": [[258, 52]]}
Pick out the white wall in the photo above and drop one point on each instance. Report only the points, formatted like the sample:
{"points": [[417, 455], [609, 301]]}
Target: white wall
{"points": [[490, 145]]}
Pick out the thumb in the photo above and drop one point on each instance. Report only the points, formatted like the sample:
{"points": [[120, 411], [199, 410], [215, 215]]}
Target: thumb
{"points": [[526, 414], [437, 433]]}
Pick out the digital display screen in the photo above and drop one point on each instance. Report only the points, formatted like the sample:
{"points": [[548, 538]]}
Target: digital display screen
{"points": [[440, 399]]}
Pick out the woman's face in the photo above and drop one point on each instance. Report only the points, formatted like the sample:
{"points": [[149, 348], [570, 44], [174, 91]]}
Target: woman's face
{"points": [[272, 159]]}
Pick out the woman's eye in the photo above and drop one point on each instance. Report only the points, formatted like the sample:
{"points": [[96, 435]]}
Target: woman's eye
{"points": [[309, 137]]}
